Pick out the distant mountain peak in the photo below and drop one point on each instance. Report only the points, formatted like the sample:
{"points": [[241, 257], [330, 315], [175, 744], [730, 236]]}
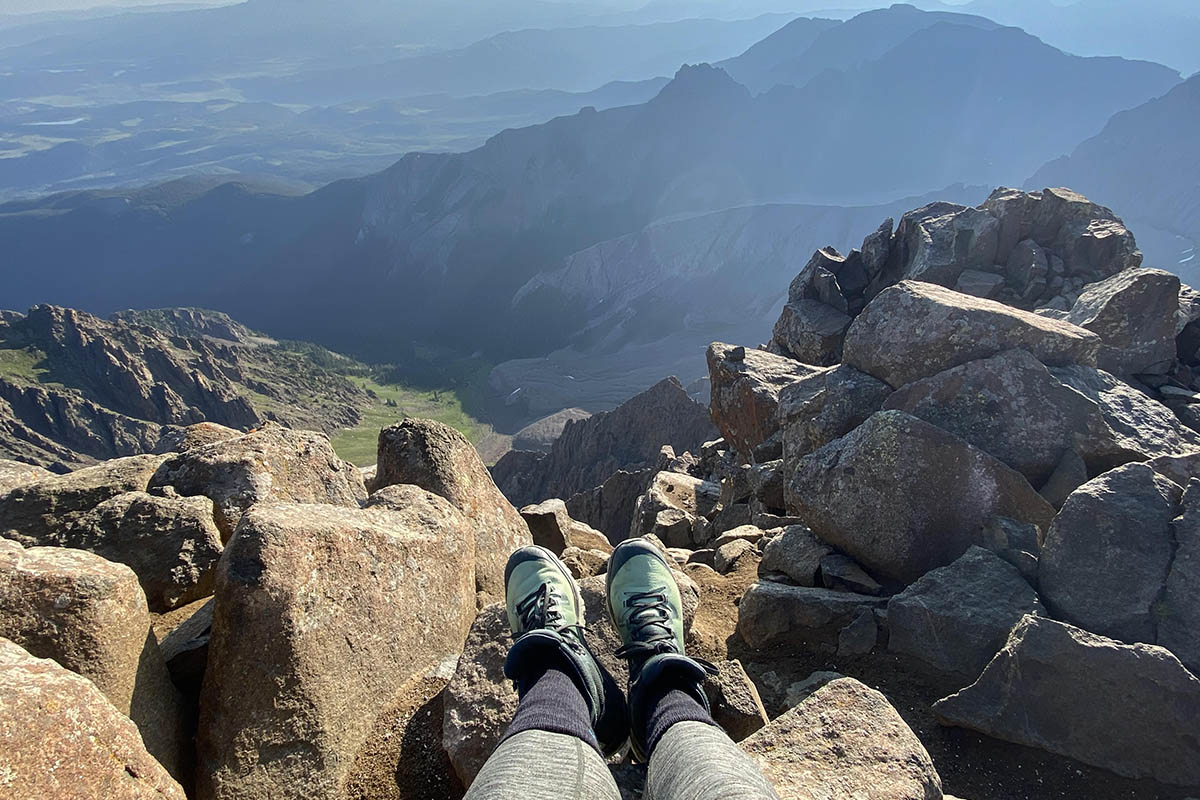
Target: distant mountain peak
{"points": [[701, 82]]}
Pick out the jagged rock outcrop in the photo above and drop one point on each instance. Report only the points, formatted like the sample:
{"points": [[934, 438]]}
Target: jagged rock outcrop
{"points": [[439, 459], [83, 388], [60, 737], [904, 497], [609, 508], [322, 614], [591, 450], [551, 526], [270, 465], [1131, 709], [90, 616], [746, 387], [1023, 249], [540, 436], [63, 430], [956, 618], [134, 370], [844, 741], [675, 509]]}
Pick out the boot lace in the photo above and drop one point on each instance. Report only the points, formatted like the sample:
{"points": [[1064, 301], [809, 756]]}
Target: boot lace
{"points": [[541, 609], [649, 625]]}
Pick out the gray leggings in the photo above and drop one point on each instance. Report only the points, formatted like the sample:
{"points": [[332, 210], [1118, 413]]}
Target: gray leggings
{"points": [[693, 761]]}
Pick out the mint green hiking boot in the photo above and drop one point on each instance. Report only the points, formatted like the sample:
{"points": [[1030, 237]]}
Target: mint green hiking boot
{"points": [[647, 611], [545, 613]]}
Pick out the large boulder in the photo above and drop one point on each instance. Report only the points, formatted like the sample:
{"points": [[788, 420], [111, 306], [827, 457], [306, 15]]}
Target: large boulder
{"points": [[941, 247], [439, 459], [60, 737], [1091, 240], [552, 527], [1179, 610], [270, 465], [795, 554], [1011, 407], [956, 618], [1134, 313], [1131, 709], [914, 330], [903, 497], [177, 439], [1107, 555], [36, 512], [734, 700], [1140, 424], [843, 743], [826, 406], [773, 614], [15, 473], [479, 700], [812, 332], [90, 616], [322, 615], [171, 543], [745, 393]]}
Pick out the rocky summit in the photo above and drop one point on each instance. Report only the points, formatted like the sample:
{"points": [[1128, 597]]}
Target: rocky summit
{"points": [[940, 537]]}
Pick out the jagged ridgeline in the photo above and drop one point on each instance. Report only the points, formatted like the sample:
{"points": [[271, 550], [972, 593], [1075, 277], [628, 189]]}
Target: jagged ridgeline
{"points": [[75, 388], [958, 489]]}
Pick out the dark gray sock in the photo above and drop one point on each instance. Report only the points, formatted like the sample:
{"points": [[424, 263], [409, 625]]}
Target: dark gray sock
{"points": [[551, 701], [670, 705]]}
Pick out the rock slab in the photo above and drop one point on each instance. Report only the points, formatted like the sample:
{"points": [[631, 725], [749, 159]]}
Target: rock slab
{"points": [[844, 742], [1131, 709]]}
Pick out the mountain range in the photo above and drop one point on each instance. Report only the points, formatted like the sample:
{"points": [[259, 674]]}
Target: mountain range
{"points": [[443, 247], [1147, 160]]}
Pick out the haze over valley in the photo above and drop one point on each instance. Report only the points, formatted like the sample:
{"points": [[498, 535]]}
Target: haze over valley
{"points": [[543, 187]]}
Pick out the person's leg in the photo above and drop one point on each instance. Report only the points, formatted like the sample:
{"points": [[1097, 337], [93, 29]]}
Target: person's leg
{"points": [[689, 756], [698, 761], [570, 710], [540, 765]]}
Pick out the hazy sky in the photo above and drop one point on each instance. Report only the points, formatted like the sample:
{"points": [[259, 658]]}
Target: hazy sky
{"points": [[27, 6]]}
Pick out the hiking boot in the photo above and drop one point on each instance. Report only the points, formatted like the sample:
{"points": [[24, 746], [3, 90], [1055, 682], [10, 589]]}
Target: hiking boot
{"points": [[545, 613], [647, 611]]}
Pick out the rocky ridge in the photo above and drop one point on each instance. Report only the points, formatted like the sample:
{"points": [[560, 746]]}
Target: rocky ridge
{"points": [[966, 522], [75, 388]]}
